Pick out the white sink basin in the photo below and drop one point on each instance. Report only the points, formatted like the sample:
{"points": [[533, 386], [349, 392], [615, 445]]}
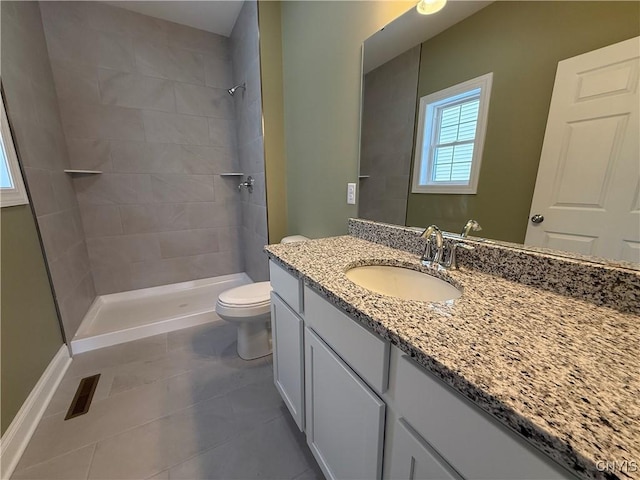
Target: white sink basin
{"points": [[403, 283]]}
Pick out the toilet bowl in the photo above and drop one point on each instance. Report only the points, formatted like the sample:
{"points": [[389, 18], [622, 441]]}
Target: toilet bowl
{"points": [[249, 307]]}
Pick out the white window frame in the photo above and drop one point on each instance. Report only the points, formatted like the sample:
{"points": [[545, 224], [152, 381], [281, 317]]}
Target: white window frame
{"points": [[17, 195], [424, 138]]}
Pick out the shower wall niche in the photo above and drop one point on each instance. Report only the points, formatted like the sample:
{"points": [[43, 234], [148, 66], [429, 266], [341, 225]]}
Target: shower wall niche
{"points": [[145, 102]]}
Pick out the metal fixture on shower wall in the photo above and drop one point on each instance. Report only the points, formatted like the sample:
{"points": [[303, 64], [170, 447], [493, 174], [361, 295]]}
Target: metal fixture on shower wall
{"points": [[232, 90], [248, 184]]}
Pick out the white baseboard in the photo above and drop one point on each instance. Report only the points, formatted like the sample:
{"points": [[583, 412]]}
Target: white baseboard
{"points": [[15, 439]]}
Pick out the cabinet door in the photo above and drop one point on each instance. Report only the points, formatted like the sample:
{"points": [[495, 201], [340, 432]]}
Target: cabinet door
{"points": [[288, 357], [344, 418], [411, 458]]}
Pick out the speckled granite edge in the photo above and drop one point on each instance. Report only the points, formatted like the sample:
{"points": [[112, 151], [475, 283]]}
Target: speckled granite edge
{"points": [[604, 284]]}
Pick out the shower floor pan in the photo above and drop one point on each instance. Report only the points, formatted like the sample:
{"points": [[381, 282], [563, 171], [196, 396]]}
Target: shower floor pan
{"points": [[126, 316]]}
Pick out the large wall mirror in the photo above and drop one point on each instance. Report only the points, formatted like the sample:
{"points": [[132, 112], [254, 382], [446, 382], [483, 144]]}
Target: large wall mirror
{"points": [[568, 146]]}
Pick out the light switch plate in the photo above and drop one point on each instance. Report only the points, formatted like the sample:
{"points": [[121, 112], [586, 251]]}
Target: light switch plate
{"points": [[351, 193]]}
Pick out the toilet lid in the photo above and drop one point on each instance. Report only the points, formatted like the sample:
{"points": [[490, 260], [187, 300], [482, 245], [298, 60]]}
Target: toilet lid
{"points": [[250, 295]]}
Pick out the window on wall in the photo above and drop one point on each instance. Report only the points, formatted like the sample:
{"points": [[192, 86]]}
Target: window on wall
{"points": [[12, 191], [451, 129]]}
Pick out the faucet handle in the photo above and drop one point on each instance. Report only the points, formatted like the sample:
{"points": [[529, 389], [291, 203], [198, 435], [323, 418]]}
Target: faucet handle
{"points": [[452, 262]]}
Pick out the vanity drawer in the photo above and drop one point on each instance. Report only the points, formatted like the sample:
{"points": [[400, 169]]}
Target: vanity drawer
{"points": [[286, 285], [476, 445], [366, 354]]}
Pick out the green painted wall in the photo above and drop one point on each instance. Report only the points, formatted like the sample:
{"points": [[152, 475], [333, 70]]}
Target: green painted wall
{"points": [[521, 43], [321, 45], [269, 22], [30, 334]]}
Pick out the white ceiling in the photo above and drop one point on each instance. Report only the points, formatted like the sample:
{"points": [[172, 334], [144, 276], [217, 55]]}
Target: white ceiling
{"points": [[217, 16], [412, 29]]}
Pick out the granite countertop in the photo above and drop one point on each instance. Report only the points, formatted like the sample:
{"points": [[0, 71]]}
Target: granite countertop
{"points": [[561, 372]]}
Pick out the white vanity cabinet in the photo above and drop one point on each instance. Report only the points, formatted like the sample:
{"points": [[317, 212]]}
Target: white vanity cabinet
{"points": [[410, 457], [345, 419], [460, 437], [371, 412], [287, 331]]}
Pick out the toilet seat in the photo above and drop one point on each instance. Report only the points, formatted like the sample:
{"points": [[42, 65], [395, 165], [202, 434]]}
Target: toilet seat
{"points": [[245, 301]]}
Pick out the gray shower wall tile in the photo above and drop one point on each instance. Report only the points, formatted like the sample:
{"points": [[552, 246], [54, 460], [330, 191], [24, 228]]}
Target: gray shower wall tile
{"points": [[101, 220], [154, 218], [93, 154], [174, 128], [118, 20], [227, 189], [88, 46], [184, 37], [112, 279], [217, 72], [250, 121], [252, 155], [43, 197], [75, 81], [229, 238], [59, 231], [218, 214], [64, 14], [136, 91], [75, 305], [68, 270], [204, 101], [123, 249], [256, 263], [113, 189], [141, 157], [118, 75], [87, 121], [176, 188], [188, 242], [38, 147], [169, 62], [63, 190], [222, 132], [32, 106], [248, 108], [180, 269]]}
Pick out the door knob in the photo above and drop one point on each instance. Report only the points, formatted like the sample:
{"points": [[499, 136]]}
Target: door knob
{"points": [[537, 218]]}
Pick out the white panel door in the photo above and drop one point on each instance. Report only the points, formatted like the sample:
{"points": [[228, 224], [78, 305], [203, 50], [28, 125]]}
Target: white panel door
{"points": [[412, 458], [288, 357], [344, 418], [588, 182]]}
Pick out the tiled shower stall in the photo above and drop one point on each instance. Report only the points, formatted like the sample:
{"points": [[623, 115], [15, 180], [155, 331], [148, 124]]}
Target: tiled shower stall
{"points": [[90, 86]]}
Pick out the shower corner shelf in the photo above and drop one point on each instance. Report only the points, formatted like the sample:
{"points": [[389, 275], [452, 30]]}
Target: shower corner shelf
{"points": [[232, 174], [83, 172]]}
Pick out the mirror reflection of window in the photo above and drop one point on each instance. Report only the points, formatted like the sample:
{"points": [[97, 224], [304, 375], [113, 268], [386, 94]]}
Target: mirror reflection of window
{"points": [[452, 125], [12, 190]]}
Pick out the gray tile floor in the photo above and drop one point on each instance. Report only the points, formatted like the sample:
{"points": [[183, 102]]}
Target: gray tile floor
{"points": [[181, 405]]}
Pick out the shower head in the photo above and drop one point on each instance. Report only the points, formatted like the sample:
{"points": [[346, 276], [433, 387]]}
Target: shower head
{"points": [[232, 90]]}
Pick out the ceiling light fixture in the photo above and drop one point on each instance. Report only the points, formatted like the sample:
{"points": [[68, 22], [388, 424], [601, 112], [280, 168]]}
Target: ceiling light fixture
{"points": [[429, 7]]}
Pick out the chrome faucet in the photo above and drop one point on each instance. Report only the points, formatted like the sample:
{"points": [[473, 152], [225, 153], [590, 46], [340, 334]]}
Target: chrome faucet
{"points": [[427, 255], [471, 225]]}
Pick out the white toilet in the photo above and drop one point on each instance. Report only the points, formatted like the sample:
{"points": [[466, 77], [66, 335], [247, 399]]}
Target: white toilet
{"points": [[249, 307]]}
